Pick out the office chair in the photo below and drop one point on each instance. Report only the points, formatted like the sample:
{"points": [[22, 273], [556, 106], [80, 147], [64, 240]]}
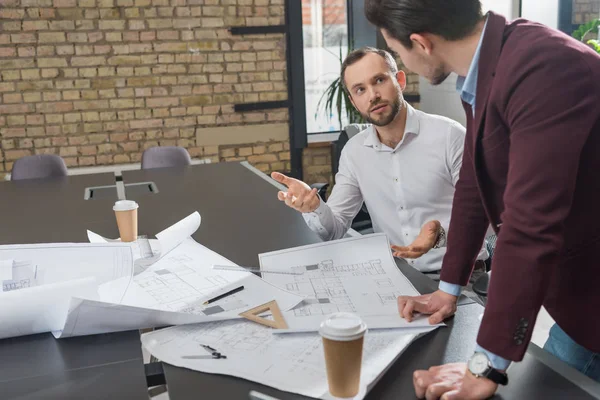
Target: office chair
{"points": [[362, 220], [480, 286], [38, 166], [164, 157]]}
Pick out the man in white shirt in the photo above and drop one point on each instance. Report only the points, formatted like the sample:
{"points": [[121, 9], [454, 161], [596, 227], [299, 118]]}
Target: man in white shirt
{"points": [[404, 167]]}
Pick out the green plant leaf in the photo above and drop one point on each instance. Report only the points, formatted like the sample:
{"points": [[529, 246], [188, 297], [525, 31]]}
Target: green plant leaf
{"points": [[595, 44], [335, 96], [584, 29]]}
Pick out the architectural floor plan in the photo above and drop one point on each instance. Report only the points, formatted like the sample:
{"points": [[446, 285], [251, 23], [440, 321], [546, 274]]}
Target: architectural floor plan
{"points": [[355, 275], [293, 363]]}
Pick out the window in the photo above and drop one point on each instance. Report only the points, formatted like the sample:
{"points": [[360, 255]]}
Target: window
{"points": [[325, 36]]}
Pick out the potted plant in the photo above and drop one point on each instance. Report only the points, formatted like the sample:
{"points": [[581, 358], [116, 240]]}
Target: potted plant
{"points": [[336, 96], [584, 29]]}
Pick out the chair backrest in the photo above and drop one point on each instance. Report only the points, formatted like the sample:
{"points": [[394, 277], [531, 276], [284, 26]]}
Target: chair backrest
{"points": [[336, 149], [39, 166], [163, 157]]}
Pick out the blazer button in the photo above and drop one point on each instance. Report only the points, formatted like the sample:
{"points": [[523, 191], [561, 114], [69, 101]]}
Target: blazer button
{"points": [[519, 342]]}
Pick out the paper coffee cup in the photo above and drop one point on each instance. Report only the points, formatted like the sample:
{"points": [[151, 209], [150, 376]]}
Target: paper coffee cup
{"points": [[126, 212], [343, 336]]}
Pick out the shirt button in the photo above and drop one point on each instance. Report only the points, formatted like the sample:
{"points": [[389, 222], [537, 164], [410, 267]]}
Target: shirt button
{"points": [[395, 179], [402, 208]]}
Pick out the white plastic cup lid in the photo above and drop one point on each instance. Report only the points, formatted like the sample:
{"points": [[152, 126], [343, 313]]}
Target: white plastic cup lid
{"points": [[125, 205], [343, 326]]}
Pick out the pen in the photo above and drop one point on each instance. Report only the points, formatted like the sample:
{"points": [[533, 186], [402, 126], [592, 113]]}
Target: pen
{"points": [[219, 297]]}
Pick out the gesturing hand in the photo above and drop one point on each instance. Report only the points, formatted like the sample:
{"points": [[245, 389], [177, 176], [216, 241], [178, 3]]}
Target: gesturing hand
{"points": [[422, 244], [299, 195]]}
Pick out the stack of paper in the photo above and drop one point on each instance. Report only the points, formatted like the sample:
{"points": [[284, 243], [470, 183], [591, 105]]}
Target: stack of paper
{"points": [[354, 275], [83, 289]]}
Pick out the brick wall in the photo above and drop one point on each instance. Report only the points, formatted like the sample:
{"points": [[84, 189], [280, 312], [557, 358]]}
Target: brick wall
{"points": [[99, 81], [585, 10]]}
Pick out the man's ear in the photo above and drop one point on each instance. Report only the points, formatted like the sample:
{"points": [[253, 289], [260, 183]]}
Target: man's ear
{"points": [[401, 78], [422, 42]]}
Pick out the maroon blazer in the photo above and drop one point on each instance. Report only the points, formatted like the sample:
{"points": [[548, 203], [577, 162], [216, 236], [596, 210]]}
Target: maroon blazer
{"points": [[531, 168]]}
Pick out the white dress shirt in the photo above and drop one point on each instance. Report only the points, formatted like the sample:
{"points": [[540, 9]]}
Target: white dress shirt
{"points": [[402, 187]]}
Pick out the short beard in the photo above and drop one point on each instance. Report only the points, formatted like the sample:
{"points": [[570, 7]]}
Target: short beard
{"points": [[439, 76], [396, 107]]}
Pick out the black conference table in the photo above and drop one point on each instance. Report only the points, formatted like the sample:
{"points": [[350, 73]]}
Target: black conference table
{"points": [[38, 366], [241, 217]]}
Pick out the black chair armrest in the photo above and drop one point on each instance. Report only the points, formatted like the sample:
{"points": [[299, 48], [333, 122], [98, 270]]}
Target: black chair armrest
{"points": [[321, 189], [481, 285]]}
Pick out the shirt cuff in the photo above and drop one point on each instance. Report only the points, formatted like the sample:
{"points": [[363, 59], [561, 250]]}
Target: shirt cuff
{"points": [[450, 288], [497, 361], [320, 210]]}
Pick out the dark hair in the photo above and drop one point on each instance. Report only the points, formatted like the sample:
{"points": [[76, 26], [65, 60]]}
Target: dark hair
{"points": [[450, 19], [358, 54]]}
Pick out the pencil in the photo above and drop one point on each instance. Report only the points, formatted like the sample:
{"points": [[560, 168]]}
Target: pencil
{"points": [[219, 297]]}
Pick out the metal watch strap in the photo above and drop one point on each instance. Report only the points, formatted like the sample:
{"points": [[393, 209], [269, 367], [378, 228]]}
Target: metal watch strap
{"points": [[441, 238]]}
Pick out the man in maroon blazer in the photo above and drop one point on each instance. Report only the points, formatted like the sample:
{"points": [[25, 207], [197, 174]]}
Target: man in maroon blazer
{"points": [[531, 169]]}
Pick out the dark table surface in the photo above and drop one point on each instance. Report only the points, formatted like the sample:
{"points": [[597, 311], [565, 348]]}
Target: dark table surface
{"points": [[54, 210], [241, 217], [39, 366]]}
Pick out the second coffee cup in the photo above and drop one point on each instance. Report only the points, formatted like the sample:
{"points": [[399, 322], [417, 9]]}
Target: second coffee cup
{"points": [[343, 337], [126, 212]]}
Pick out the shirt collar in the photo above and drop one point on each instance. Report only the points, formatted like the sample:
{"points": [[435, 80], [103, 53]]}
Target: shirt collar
{"points": [[466, 86], [412, 126]]}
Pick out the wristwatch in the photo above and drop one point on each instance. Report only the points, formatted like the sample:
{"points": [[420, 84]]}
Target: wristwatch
{"points": [[441, 238], [480, 366]]}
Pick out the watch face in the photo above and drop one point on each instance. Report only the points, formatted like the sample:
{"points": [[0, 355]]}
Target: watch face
{"points": [[478, 364]]}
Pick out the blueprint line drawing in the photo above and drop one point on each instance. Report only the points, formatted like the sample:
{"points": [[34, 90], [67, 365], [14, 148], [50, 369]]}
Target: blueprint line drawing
{"points": [[183, 280], [356, 275], [293, 363]]}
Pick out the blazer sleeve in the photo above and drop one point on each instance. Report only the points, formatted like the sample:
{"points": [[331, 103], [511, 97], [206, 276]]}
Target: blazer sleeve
{"points": [[550, 110], [468, 222]]}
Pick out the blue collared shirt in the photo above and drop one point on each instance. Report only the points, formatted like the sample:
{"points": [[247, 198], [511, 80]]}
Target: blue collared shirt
{"points": [[466, 86]]}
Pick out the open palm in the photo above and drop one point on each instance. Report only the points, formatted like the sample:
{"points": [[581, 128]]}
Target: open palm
{"points": [[422, 244]]}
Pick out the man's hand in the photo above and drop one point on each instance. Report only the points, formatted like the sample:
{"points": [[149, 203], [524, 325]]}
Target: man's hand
{"points": [[299, 196], [452, 382], [422, 244], [439, 303]]}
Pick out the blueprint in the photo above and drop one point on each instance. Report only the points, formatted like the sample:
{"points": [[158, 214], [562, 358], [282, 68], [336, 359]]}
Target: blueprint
{"points": [[293, 363], [89, 317], [148, 251], [184, 279], [44, 278], [356, 275]]}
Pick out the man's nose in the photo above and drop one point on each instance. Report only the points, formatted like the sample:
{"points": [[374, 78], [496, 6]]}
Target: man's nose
{"points": [[374, 95]]}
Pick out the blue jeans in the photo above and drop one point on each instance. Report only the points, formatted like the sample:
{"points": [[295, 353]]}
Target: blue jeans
{"points": [[560, 345]]}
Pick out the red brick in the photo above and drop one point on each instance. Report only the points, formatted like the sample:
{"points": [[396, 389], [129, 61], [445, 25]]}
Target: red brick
{"points": [[12, 132], [13, 155], [65, 3], [11, 13], [16, 109], [23, 38], [146, 123], [7, 52], [162, 102], [55, 107]]}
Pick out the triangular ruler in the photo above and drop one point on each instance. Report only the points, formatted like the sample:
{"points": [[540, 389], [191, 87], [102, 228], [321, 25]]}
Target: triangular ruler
{"points": [[278, 322]]}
